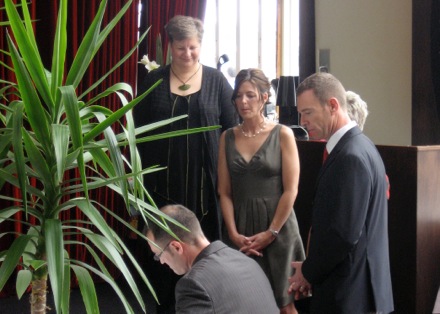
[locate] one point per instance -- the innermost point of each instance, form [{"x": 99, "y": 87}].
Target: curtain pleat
[{"x": 116, "y": 46}]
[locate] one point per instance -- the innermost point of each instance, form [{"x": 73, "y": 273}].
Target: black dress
[
  {"x": 185, "y": 180},
  {"x": 191, "y": 178}
]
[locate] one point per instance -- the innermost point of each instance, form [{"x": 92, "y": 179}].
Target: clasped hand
[
  {"x": 298, "y": 284},
  {"x": 255, "y": 244}
]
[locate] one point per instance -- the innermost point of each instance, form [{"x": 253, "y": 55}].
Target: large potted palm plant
[{"x": 46, "y": 130}]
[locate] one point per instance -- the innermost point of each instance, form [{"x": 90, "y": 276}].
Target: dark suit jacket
[
  {"x": 224, "y": 280},
  {"x": 348, "y": 262}
]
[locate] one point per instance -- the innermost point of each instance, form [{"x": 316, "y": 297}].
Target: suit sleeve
[
  {"x": 192, "y": 298},
  {"x": 340, "y": 210}
]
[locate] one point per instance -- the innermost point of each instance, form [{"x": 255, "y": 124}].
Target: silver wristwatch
[{"x": 274, "y": 232}]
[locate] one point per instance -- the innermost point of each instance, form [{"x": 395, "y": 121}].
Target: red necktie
[{"x": 325, "y": 155}]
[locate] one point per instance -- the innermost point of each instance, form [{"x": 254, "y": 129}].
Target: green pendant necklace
[{"x": 185, "y": 86}]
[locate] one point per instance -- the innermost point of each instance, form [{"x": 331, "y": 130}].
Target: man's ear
[
  {"x": 333, "y": 104},
  {"x": 177, "y": 247}
]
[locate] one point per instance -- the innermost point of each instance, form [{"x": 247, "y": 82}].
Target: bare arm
[
  {"x": 290, "y": 166},
  {"x": 225, "y": 192}
]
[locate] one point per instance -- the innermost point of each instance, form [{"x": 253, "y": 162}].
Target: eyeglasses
[{"x": 157, "y": 256}]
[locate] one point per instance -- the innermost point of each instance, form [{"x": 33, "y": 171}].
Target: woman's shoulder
[
  {"x": 283, "y": 128},
  {"x": 209, "y": 69},
  {"x": 286, "y": 133},
  {"x": 274, "y": 127},
  {"x": 233, "y": 129},
  {"x": 230, "y": 132},
  {"x": 159, "y": 72},
  {"x": 153, "y": 76},
  {"x": 212, "y": 72}
]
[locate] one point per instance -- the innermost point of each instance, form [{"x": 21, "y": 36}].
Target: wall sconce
[{"x": 286, "y": 100}]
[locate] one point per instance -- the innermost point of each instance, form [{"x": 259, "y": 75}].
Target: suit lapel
[{"x": 336, "y": 150}]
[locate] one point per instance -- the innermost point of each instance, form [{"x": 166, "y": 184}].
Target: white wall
[{"x": 370, "y": 53}]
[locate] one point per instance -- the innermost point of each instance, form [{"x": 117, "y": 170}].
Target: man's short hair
[
  {"x": 182, "y": 215},
  {"x": 324, "y": 87}
]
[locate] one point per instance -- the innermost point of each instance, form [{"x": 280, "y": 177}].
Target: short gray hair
[
  {"x": 182, "y": 27},
  {"x": 357, "y": 108}
]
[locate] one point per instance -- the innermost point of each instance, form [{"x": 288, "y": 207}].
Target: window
[{"x": 246, "y": 32}]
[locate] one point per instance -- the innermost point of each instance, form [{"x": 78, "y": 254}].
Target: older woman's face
[{"x": 185, "y": 52}]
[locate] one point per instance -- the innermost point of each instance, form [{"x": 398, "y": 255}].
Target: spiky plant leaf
[
  {"x": 55, "y": 258},
  {"x": 56, "y": 147},
  {"x": 61, "y": 145},
  {"x": 25, "y": 38},
  {"x": 24, "y": 278},
  {"x": 12, "y": 258},
  {"x": 86, "y": 49},
  {"x": 87, "y": 288}
]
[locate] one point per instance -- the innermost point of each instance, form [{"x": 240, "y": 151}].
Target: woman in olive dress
[{"x": 258, "y": 183}]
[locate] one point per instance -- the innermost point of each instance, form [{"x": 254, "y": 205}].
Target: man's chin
[
  {"x": 313, "y": 137},
  {"x": 177, "y": 272},
  {"x": 316, "y": 137}
]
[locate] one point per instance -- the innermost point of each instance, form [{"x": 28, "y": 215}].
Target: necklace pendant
[{"x": 184, "y": 87}]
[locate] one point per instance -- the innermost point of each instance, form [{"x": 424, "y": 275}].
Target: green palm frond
[{"x": 48, "y": 131}]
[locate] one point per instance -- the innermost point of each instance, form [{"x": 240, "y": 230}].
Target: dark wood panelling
[
  {"x": 425, "y": 73},
  {"x": 428, "y": 230}
]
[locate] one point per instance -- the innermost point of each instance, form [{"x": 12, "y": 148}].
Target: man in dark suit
[
  {"x": 217, "y": 278},
  {"x": 347, "y": 266}
]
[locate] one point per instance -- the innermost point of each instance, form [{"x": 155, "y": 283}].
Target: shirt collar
[{"x": 334, "y": 139}]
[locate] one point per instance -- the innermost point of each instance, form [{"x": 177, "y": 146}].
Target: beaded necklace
[{"x": 250, "y": 135}]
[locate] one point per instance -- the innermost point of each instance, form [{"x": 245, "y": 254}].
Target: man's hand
[{"x": 298, "y": 284}]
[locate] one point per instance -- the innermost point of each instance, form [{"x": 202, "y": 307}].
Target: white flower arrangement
[
  {"x": 149, "y": 65},
  {"x": 153, "y": 65}
]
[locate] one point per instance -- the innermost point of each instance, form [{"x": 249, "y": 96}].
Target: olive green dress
[{"x": 256, "y": 189}]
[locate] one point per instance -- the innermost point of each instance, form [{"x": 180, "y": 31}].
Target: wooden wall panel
[{"x": 426, "y": 73}]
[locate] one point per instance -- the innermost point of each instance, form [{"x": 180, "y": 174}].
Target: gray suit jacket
[
  {"x": 348, "y": 262},
  {"x": 224, "y": 280}
]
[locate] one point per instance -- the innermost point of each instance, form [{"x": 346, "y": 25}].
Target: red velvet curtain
[
  {"x": 156, "y": 13},
  {"x": 120, "y": 41}
]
